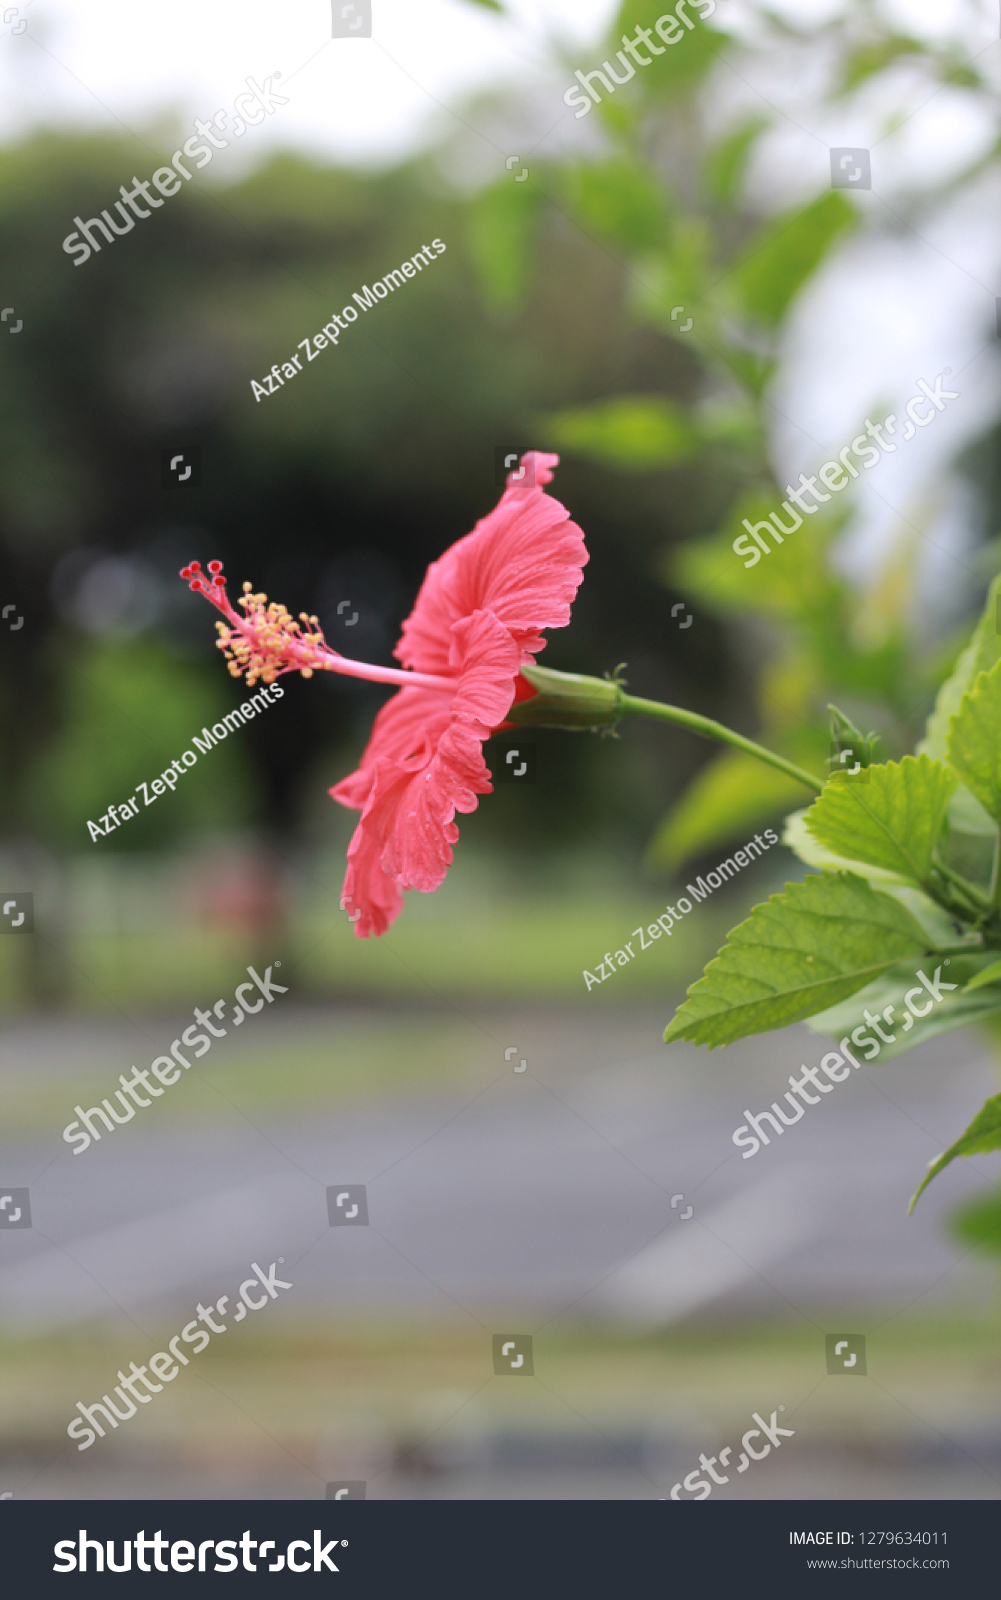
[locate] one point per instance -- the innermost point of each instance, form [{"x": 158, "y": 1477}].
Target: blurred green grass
[
  {"x": 507, "y": 954},
  {"x": 474, "y": 944},
  {"x": 382, "y": 1377},
  {"x": 517, "y": 946}
]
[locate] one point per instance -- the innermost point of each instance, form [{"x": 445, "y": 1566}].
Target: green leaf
[
  {"x": 619, "y": 201},
  {"x": 727, "y": 161},
  {"x": 957, "y": 1009},
  {"x": 889, "y": 815},
  {"x": 980, "y": 655},
  {"x": 974, "y": 740},
  {"x": 803, "y": 950},
  {"x": 684, "y": 64},
  {"x": 501, "y": 225},
  {"x": 980, "y": 1224},
  {"x": 871, "y": 58},
  {"x": 798, "y": 838},
  {"x": 795, "y": 583},
  {"x": 991, "y": 974},
  {"x": 787, "y": 252},
  {"x": 677, "y": 273},
  {"x": 963, "y": 77},
  {"x": 983, "y": 1134},
  {"x": 634, "y": 434}
]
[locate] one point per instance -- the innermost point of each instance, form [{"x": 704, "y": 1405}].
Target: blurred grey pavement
[{"x": 532, "y": 1196}]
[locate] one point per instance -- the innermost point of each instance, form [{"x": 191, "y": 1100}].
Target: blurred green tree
[{"x": 130, "y": 709}]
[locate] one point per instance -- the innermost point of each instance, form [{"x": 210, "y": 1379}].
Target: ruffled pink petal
[
  {"x": 371, "y": 896},
  {"x": 405, "y": 837},
  {"x": 535, "y": 464},
  {"x": 523, "y": 562},
  {"x": 406, "y": 729}
]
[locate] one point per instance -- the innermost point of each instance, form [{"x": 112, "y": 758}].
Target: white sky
[
  {"x": 81, "y": 64},
  {"x": 897, "y": 307}
]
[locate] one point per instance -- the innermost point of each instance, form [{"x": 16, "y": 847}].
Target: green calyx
[
  {"x": 568, "y": 700},
  {"x": 571, "y": 700}
]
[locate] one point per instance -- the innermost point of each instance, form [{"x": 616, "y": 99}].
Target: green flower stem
[
  {"x": 572, "y": 700},
  {"x": 630, "y": 705}
]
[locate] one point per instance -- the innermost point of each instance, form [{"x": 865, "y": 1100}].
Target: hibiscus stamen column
[{"x": 267, "y": 642}]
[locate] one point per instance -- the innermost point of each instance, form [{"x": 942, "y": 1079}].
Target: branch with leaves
[{"x": 909, "y": 858}]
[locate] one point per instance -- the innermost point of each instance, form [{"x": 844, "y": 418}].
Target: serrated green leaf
[
  {"x": 991, "y": 974},
  {"x": 798, "y": 953},
  {"x": 957, "y": 1009},
  {"x": 889, "y": 815},
  {"x": 983, "y": 1134},
  {"x": 980, "y": 655},
  {"x": 798, "y": 838},
  {"x": 974, "y": 740}
]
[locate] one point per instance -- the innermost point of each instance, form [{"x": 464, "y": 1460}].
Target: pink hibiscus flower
[{"x": 477, "y": 620}]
